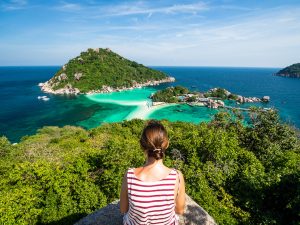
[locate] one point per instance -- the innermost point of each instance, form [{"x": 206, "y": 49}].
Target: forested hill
[
  {"x": 101, "y": 70},
  {"x": 238, "y": 174},
  {"x": 290, "y": 71}
]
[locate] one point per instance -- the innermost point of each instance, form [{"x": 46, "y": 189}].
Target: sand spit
[{"x": 143, "y": 108}]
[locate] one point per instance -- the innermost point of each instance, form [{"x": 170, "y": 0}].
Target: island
[
  {"x": 101, "y": 71},
  {"x": 290, "y": 71},
  {"x": 213, "y": 98}
]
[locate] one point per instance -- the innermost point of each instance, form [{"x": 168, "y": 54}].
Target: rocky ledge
[
  {"x": 110, "y": 215},
  {"x": 68, "y": 89},
  {"x": 290, "y": 75}
]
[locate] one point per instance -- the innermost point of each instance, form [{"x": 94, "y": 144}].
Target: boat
[{"x": 44, "y": 98}]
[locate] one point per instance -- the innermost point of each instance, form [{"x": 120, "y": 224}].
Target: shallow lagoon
[{"x": 22, "y": 113}]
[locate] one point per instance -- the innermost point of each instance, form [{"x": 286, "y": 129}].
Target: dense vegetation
[
  {"x": 240, "y": 175},
  {"x": 170, "y": 94},
  {"x": 220, "y": 93},
  {"x": 95, "y": 68},
  {"x": 290, "y": 71}
]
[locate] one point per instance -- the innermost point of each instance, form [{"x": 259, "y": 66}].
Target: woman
[{"x": 154, "y": 193}]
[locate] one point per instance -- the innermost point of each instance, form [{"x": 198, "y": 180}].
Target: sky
[{"x": 244, "y": 33}]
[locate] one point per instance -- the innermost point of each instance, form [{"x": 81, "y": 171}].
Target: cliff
[
  {"x": 290, "y": 71},
  {"x": 110, "y": 215},
  {"x": 101, "y": 70}
]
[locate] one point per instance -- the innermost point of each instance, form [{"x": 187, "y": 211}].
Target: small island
[
  {"x": 292, "y": 71},
  {"x": 102, "y": 71},
  {"x": 213, "y": 98}
]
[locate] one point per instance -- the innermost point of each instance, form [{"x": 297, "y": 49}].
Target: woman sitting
[{"x": 153, "y": 193}]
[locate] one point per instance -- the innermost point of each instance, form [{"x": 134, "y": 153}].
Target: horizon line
[{"x": 155, "y": 66}]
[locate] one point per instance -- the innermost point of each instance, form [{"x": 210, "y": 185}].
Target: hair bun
[{"x": 154, "y": 139}]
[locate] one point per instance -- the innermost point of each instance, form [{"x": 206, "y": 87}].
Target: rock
[
  {"x": 195, "y": 214},
  {"x": 81, "y": 61},
  {"x": 107, "y": 89},
  {"x": 227, "y": 93},
  {"x": 49, "y": 85},
  {"x": 78, "y": 76},
  {"x": 110, "y": 215},
  {"x": 266, "y": 99},
  {"x": 63, "y": 76}
]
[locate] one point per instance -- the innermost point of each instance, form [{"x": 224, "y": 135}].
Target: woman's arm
[
  {"x": 124, "y": 195},
  {"x": 180, "y": 200}
]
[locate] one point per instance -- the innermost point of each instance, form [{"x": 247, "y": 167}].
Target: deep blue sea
[{"x": 22, "y": 113}]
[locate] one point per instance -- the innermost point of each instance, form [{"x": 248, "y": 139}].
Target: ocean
[{"x": 22, "y": 113}]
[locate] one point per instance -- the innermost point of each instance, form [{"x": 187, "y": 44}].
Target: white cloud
[
  {"x": 14, "y": 5},
  {"x": 131, "y": 9},
  {"x": 268, "y": 37},
  {"x": 65, "y": 6}
]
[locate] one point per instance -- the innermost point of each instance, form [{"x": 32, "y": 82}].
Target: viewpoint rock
[{"x": 110, "y": 215}]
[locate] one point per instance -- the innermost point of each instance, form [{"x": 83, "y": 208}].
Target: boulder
[
  {"x": 110, "y": 215},
  {"x": 266, "y": 99},
  {"x": 227, "y": 93},
  {"x": 63, "y": 76},
  {"x": 78, "y": 76}
]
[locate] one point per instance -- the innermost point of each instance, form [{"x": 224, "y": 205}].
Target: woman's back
[
  {"x": 151, "y": 202},
  {"x": 152, "y": 194}
]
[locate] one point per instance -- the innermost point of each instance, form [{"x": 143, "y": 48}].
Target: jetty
[{"x": 245, "y": 109}]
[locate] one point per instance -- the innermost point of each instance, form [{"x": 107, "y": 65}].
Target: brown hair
[{"x": 154, "y": 140}]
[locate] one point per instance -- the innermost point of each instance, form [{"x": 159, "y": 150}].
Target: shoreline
[
  {"x": 144, "y": 107},
  {"x": 69, "y": 90}
]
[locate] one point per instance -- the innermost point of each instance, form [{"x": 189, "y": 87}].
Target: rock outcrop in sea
[{"x": 110, "y": 215}]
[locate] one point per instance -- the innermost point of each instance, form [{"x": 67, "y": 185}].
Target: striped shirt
[{"x": 151, "y": 203}]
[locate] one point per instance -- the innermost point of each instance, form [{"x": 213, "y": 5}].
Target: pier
[{"x": 246, "y": 109}]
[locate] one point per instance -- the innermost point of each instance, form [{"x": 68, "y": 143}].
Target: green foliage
[
  {"x": 170, "y": 94},
  {"x": 103, "y": 67},
  {"x": 240, "y": 175},
  {"x": 290, "y": 71},
  {"x": 217, "y": 93},
  {"x": 4, "y": 146},
  {"x": 192, "y": 99},
  {"x": 233, "y": 97}
]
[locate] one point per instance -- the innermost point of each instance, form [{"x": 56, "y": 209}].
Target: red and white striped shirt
[{"x": 151, "y": 203}]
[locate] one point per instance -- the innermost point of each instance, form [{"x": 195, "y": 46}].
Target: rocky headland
[
  {"x": 102, "y": 71},
  {"x": 69, "y": 89},
  {"x": 292, "y": 71}
]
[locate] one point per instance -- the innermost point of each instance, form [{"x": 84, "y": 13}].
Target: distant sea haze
[{"x": 22, "y": 113}]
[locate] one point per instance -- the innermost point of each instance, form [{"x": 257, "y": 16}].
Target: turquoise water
[
  {"x": 138, "y": 99},
  {"x": 185, "y": 113},
  {"x": 22, "y": 113}
]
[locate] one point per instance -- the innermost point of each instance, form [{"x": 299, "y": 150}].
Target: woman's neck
[{"x": 153, "y": 162}]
